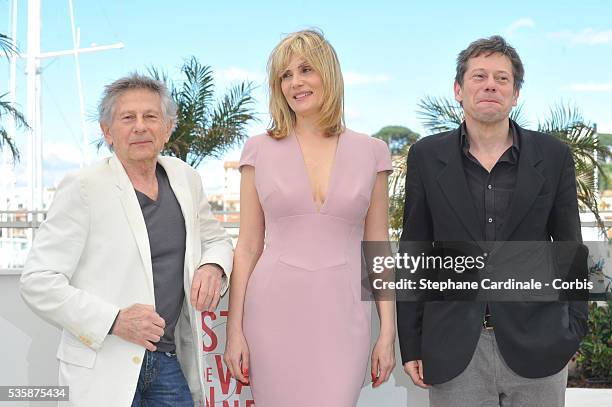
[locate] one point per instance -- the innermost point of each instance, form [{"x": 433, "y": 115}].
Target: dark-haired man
[{"x": 490, "y": 180}]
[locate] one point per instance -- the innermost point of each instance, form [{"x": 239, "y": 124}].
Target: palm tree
[
  {"x": 442, "y": 114},
  {"x": 6, "y": 45},
  {"x": 7, "y": 48},
  {"x": 564, "y": 122},
  {"x": 567, "y": 124},
  {"x": 202, "y": 129}
]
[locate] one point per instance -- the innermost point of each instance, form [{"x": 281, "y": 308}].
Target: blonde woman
[{"x": 311, "y": 191}]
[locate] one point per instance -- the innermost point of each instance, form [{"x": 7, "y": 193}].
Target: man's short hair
[
  {"x": 487, "y": 46},
  {"x": 131, "y": 82}
]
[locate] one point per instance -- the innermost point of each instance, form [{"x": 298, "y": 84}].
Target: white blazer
[{"x": 91, "y": 257}]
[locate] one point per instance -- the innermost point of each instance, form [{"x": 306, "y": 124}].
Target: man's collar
[{"x": 465, "y": 140}]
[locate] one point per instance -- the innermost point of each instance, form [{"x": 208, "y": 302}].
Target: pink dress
[{"x": 307, "y": 329}]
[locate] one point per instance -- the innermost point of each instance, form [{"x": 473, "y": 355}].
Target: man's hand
[
  {"x": 140, "y": 324},
  {"x": 414, "y": 369},
  {"x": 206, "y": 287}
]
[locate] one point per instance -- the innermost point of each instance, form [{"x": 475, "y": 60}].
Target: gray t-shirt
[{"x": 166, "y": 230}]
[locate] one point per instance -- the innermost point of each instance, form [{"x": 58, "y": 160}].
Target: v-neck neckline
[
  {"x": 312, "y": 198},
  {"x": 147, "y": 200},
  {"x": 158, "y": 175}
]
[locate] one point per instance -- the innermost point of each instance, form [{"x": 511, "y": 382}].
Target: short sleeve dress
[{"x": 307, "y": 329}]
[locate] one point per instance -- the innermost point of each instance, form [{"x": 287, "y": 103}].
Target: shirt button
[
  {"x": 490, "y": 220},
  {"x": 489, "y": 186},
  {"x": 485, "y": 254},
  {"x": 136, "y": 360}
]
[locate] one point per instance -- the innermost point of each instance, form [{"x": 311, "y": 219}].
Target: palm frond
[
  {"x": 517, "y": 115},
  {"x": 7, "y": 141},
  {"x": 196, "y": 93},
  {"x": 439, "y": 114},
  {"x": 7, "y": 108},
  {"x": 6, "y": 45},
  {"x": 192, "y": 98},
  {"x": 227, "y": 123},
  {"x": 560, "y": 117},
  {"x": 566, "y": 123},
  {"x": 158, "y": 75},
  {"x": 99, "y": 143},
  {"x": 203, "y": 129},
  {"x": 585, "y": 187}
]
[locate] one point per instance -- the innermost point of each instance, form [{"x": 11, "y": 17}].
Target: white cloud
[
  {"x": 591, "y": 87},
  {"x": 64, "y": 151},
  {"x": 520, "y": 23},
  {"x": 354, "y": 78},
  {"x": 232, "y": 74},
  {"x": 58, "y": 159},
  {"x": 352, "y": 113},
  {"x": 604, "y": 127},
  {"x": 54, "y": 169},
  {"x": 587, "y": 36}
]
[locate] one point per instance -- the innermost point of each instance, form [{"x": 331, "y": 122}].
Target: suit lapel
[
  {"x": 133, "y": 214},
  {"x": 179, "y": 186},
  {"x": 188, "y": 330},
  {"x": 454, "y": 185},
  {"x": 529, "y": 182}
]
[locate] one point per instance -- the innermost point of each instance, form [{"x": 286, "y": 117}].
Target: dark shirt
[
  {"x": 166, "y": 230},
  {"x": 492, "y": 191}
]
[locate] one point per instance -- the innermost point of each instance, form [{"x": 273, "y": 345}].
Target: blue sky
[{"x": 392, "y": 54}]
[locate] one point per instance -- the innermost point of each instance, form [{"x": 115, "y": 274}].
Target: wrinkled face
[
  {"x": 302, "y": 87},
  {"x": 137, "y": 131},
  {"x": 487, "y": 94}
]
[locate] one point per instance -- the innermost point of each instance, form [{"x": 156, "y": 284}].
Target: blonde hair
[{"x": 314, "y": 48}]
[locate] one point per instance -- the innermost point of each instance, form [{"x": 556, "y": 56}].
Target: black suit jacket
[{"x": 536, "y": 339}]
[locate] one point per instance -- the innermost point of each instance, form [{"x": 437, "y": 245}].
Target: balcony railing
[{"x": 18, "y": 230}]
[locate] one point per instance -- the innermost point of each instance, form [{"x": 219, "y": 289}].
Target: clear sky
[{"x": 393, "y": 53}]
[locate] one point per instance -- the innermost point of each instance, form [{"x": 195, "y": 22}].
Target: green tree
[
  {"x": 564, "y": 122},
  {"x": 206, "y": 127},
  {"x": 605, "y": 140},
  {"x": 604, "y": 182},
  {"x": 397, "y": 195},
  {"x": 596, "y": 348},
  {"x": 398, "y": 138},
  {"x": 6, "y": 109}
]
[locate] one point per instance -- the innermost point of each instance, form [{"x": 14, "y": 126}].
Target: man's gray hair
[
  {"x": 488, "y": 46},
  {"x": 130, "y": 82}
]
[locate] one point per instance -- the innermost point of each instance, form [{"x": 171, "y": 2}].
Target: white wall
[
  {"x": 27, "y": 343},
  {"x": 28, "y": 346}
]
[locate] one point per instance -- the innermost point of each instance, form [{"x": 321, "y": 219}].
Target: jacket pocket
[{"x": 74, "y": 352}]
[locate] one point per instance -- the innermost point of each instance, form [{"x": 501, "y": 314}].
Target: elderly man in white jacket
[{"x": 128, "y": 257}]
